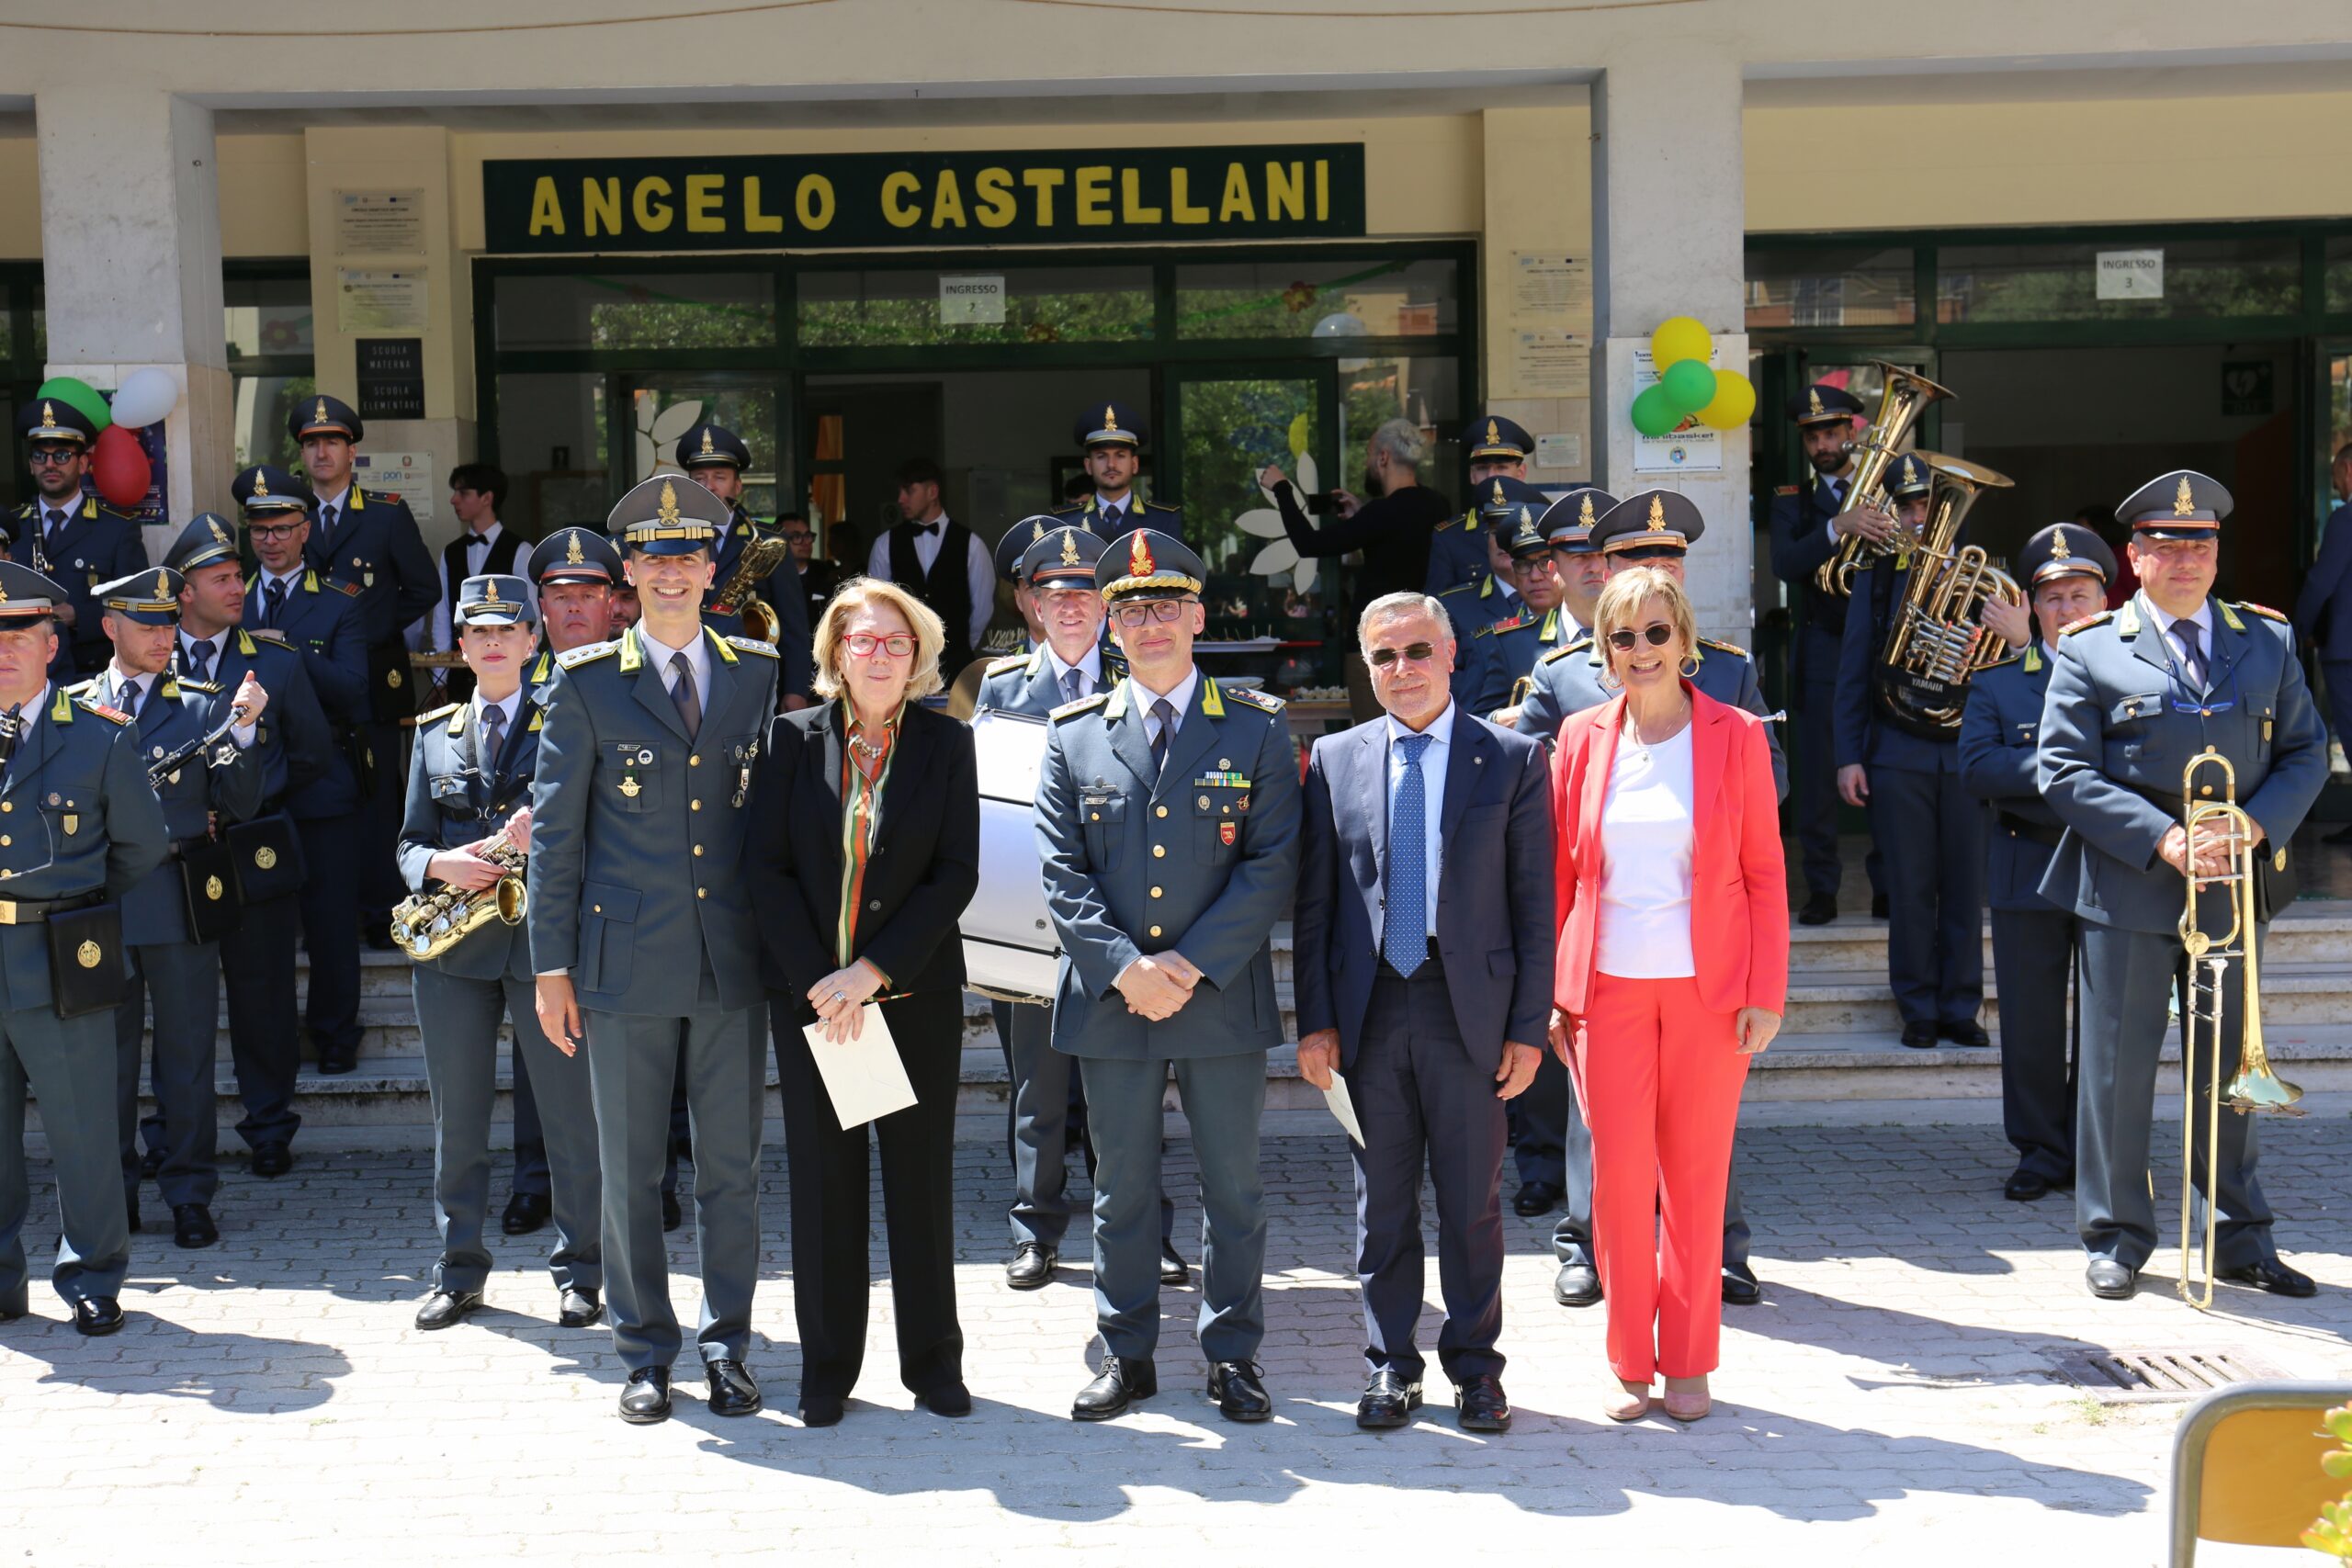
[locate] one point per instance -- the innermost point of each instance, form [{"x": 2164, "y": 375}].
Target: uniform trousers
[
  {"x": 1814, "y": 771},
  {"x": 458, "y": 1018},
  {"x": 1045, "y": 1114},
  {"x": 1421, "y": 1100},
  {"x": 184, "y": 977},
  {"x": 531, "y": 1175},
  {"x": 1931, "y": 835},
  {"x": 334, "y": 851},
  {"x": 632, "y": 1061},
  {"x": 375, "y": 836},
  {"x": 264, "y": 1032},
  {"x": 1223, "y": 1097},
  {"x": 2032, "y": 950},
  {"x": 73, "y": 1072},
  {"x": 1659, "y": 1075},
  {"x": 2126, "y": 976},
  {"x": 832, "y": 1202}
]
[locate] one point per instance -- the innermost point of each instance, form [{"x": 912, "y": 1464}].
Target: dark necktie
[
  {"x": 9, "y": 740},
  {"x": 1111, "y": 515},
  {"x": 326, "y": 524},
  {"x": 56, "y": 526},
  {"x": 1166, "y": 717},
  {"x": 1405, "y": 923},
  {"x": 127, "y": 698},
  {"x": 494, "y": 735},
  {"x": 1074, "y": 684},
  {"x": 681, "y": 691},
  {"x": 199, "y": 660},
  {"x": 2192, "y": 653},
  {"x": 276, "y": 596}
]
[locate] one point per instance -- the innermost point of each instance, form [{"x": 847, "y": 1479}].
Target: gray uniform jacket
[
  {"x": 1199, "y": 855},
  {"x": 453, "y": 799},
  {"x": 2000, "y": 736},
  {"x": 1024, "y": 683}
]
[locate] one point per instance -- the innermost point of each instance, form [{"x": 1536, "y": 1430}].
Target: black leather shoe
[
  {"x": 1239, "y": 1394},
  {"x": 672, "y": 1216},
  {"x": 446, "y": 1309},
  {"x": 1878, "y": 906},
  {"x": 192, "y": 1226},
  {"x": 1919, "y": 1035},
  {"x": 1119, "y": 1384},
  {"x": 1971, "y": 1035},
  {"x": 150, "y": 1163},
  {"x": 337, "y": 1060},
  {"x": 525, "y": 1211},
  {"x": 1032, "y": 1267},
  {"x": 97, "y": 1316},
  {"x": 1389, "y": 1402},
  {"x": 1481, "y": 1405},
  {"x": 1819, "y": 909},
  {"x": 950, "y": 1399},
  {"x": 273, "y": 1159},
  {"x": 1576, "y": 1285},
  {"x": 1740, "y": 1289},
  {"x": 2026, "y": 1185},
  {"x": 580, "y": 1310},
  {"x": 823, "y": 1409},
  {"x": 2272, "y": 1276},
  {"x": 732, "y": 1391},
  {"x": 1535, "y": 1198},
  {"x": 645, "y": 1398},
  {"x": 2111, "y": 1280},
  {"x": 1173, "y": 1270}
]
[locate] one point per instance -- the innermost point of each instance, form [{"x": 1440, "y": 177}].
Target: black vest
[{"x": 946, "y": 587}]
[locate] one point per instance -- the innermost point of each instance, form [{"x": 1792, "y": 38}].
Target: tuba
[
  {"x": 2254, "y": 1087},
  {"x": 427, "y": 925},
  {"x": 737, "y": 596},
  {"x": 1906, "y": 397},
  {"x": 1939, "y": 641}
]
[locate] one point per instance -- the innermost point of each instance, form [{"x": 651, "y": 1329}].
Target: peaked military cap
[
  {"x": 207, "y": 538},
  {"x": 1065, "y": 558},
  {"x": 707, "y": 445},
  {"x": 669, "y": 514},
  {"x": 1109, "y": 424},
  {"x": 1017, "y": 540},
  {"x": 323, "y": 416},
  {"x": 1523, "y": 531},
  {"x": 1570, "y": 520},
  {"x": 1910, "y": 475},
  {"x": 2065, "y": 549},
  {"x": 1820, "y": 402},
  {"x": 2183, "y": 505},
  {"x": 1149, "y": 564},
  {"x": 494, "y": 599},
  {"x": 150, "y": 597},
  {"x": 263, "y": 489},
  {"x": 1649, "y": 520},
  {"x": 25, "y": 594},
  {"x": 574, "y": 555},
  {"x": 1491, "y": 435},
  {"x": 1500, "y": 498},
  {"x": 54, "y": 418}
]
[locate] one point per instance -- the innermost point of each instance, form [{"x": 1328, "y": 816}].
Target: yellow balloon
[
  {"x": 1734, "y": 400},
  {"x": 1679, "y": 338}
]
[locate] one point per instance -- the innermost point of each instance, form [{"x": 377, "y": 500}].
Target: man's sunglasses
[
  {"x": 1416, "y": 652},
  {"x": 1657, "y": 635}
]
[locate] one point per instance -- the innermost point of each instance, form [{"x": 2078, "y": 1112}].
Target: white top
[
  {"x": 1646, "y": 835},
  {"x": 1434, "y": 760},
  {"x": 979, "y": 569}
]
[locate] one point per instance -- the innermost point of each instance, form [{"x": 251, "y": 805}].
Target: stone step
[{"x": 2306, "y": 931}]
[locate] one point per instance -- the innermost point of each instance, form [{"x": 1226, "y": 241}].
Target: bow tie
[{"x": 925, "y": 529}]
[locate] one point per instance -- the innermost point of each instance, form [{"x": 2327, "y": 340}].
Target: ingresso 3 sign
[{"x": 869, "y": 200}]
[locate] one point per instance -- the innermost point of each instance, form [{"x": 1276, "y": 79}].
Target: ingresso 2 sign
[{"x": 869, "y": 200}]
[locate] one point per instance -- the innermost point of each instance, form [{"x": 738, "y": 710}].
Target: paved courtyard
[{"x": 1895, "y": 1399}]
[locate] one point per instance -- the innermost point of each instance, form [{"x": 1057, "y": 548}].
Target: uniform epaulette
[
  {"x": 1008, "y": 662},
  {"x": 2264, "y": 611},
  {"x": 1724, "y": 647},
  {"x": 1083, "y": 705},
  {"x": 91, "y": 705},
  {"x": 1784, "y": 489},
  {"x": 574, "y": 656},
  {"x": 753, "y": 644},
  {"x": 443, "y": 712},
  {"x": 1265, "y": 702},
  {"x": 1581, "y": 645},
  {"x": 2100, "y": 619}
]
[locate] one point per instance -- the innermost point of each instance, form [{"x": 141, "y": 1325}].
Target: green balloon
[
  {"x": 1652, "y": 413},
  {"x": 79, "y": 394},
  {"x": 1688, "y": 386}
]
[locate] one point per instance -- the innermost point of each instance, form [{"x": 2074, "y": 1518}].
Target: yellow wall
[
  {"x": 19, "y": 199},
  {"x": 265, "y": 204}
]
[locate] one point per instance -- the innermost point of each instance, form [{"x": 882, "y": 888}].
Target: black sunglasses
[
  {"x": 1657, "y": 635},
  {"x": 1418, "y": 652}
]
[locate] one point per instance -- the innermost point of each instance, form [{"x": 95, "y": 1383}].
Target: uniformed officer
[
  {"x": 465, "y": 835},
  {"x": 1568, "y": 523},
  {"x": 1168, "y": 820},
  {"x": 2134, "y": 695},
  {"x": 71, "y": 536},
  {"x": 1492, "y": 597},
  {"x": 1111, "y": 436},
  {"x": 1808, "y": 521},
  {"x": 641, "y": 930},
  {"x": 83, "y": 826},
  {"x": 1495, "y": 447},
  {"x": 2066, "y": 570},
  {"x": 1931, "y": 836},
  {"x": 1007, "y": 555},
  {"x": 172, "y": 918},
  {"x": 1540, "y": 622},
  {"x": 715, "y": 457},
  {"x": 302, "y": 769},
  {"x": 366, "y": 548}
]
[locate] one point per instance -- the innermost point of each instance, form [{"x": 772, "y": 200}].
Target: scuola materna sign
[{"x": 869, "y": 200}]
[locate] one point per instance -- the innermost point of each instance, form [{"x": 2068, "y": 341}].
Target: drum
[{"x": 1011, "y": 949}]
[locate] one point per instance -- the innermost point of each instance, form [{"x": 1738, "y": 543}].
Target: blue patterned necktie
[{"x": 1405, "y": 923}]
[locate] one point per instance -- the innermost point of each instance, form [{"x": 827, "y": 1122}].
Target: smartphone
[{"x": 1322, "y": 505}]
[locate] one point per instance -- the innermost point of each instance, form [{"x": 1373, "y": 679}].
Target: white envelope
[
  {"x": 1344, "y": 1107},
  {"x": 863, "y": 1077}
]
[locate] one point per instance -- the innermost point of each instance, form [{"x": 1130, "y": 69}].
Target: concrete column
[
  {"x": 130, "y": 264},
  {"x": 1668, "y": 220}
]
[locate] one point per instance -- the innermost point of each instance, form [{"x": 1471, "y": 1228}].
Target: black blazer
[{"x": 925, "y": 867}]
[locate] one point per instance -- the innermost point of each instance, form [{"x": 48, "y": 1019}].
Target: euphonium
[
  {"x": 1940, "y": 640},
  {"x": 737, "y": 596},
  {"x": 1906, "y": 397},
  {"x": 427, "y": 925},
  {"x": 2254, "y": 1087}
]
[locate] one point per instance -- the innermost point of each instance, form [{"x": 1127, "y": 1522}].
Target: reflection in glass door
[{"x": 649, "y": 412}]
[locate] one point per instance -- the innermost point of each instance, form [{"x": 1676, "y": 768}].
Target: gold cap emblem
[
  {"x": 218, "y": 537},
  {"x": 2058, "y": 550},
  {"x": 47, "y": 417},
  {"x": 1494, "y": 433},
  {"x": 1657, "y": 515},
  {"x": 1498, "y": 493},
  {"x": 320, "y": 417},
  {"x": 1109, "y": 417},
  {"x": 708, "y": 449},
  {"x": 261, "y": 483},
  {"x": 571, "y": 556},
  {"x": 1069, "y": 548},
  {"x": 667, "y": 513},
  {"x": 162, "y": 586},
  {"x": 1813, "y": 399},
  {"x": 1036, "y": 530},
  {"x": 2183, "y": 504},
  {"x": 490, "y": 592},
  {"x": 1139, "y": 561},
  {"x": 1584, "y": 511}
]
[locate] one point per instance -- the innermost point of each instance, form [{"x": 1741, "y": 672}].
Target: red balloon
[{"x": 119, "y": 466}]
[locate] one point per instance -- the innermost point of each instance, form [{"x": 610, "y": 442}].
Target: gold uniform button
[
  {"x": 1155, "y": 891},
  {"x": 693, "y": 761},
  {"x": 1160, "y": 852},
  {"x": 1162, "y": 811},
  {"x": 7, "y": 805},
  {"x": 1094, "y": 816},
  {"x": 1155, "y": 931},
  {"x": 600, "y": 909},
  {"x": 2207, "y": 790},
  {"x": 697, "y": 848},
  {"x": 5, "y": 841},
  {"x": 702, "y": 892},
  {"x": 694, "y": 806}
]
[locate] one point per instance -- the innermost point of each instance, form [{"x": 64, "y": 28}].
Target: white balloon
[{"x": 144, "y": 397}]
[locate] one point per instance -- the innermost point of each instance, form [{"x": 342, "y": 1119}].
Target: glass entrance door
[{"x": 647, "y": 413}]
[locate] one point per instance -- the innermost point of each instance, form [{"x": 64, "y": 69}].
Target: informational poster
[
  {"x": 380, "y": 223},
  {"x": 372, "y": 300},
  {"x": 1689, "y": 448},
  {"x": 971, "y": 299},
  {"x": 1548, "y": 286},
  {"x": 407, "y": 474},
  {"x": 1560, "y": 451},
  {"x": 2130, "y": 275},
  {"x": 1550, "y": 362}
]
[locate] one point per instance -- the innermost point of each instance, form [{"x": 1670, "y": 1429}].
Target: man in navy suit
[
  {"x": 2323, "y": 610},
  {"x": 1423, "y": 964}
]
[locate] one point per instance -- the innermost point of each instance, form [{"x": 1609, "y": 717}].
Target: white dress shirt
[
  {"x": 979, "y": 569},
  {"x": 477, "y": 558},
  {"x": 1433, "y": 765},
  {"x": 1179, "y": 699},
  {"x": 698, "y": 652},
  {"x": 1090, "y": 667}
]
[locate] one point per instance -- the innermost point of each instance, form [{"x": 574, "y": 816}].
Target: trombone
[{"x": 2255, "y": 1088}]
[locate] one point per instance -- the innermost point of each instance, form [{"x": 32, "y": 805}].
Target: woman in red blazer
[{"x": 1673, "y": 971}]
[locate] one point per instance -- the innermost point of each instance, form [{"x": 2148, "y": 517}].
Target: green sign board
[{"x": 876, "y": 201}]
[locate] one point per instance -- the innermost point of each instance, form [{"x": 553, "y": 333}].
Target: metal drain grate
[{"x": 2137, "y": 1377}]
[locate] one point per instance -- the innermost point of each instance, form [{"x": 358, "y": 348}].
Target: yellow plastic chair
[{"x": 2245, "y": 1466}]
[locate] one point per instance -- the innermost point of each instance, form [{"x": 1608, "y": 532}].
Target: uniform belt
[
  {"x": 2040, "y": 832},
  {"x": 33, "y": 911}
]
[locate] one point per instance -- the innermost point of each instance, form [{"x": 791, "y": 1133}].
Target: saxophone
[
  {"x": 736, "y": 595},
  {"x": 427, "y": 925}
]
